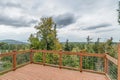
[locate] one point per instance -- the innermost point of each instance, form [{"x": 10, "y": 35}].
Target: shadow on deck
[{"x": 40, "y": 72}]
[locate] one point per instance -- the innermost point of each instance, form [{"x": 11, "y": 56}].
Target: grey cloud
[
  {"x": 86, "y": 6},
  {"x": 101, "y": 31},
  {"x": 64, "y": 20},
  {"x": 13, "y": 5},
  {"x": 4, "y": 20},
  {"x": 10, "y": 4},
  {"x": 97, "y": 26}
]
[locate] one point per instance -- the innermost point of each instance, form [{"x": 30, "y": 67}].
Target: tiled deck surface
[{"x": 40, "y": 72}]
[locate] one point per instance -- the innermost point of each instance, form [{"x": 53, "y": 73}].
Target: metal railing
[{"x": 111, "y": 67}]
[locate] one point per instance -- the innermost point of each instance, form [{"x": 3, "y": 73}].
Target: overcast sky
[{"x": 76, "y": 19}]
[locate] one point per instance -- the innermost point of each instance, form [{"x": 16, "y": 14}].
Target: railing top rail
[
  {"x": 55, "y": 52},
  {"x": 71, "y": 53},
  {"x": 13, "y": 52},
  {"x": 115, "y": 61},
  {"x": 25, "y": 51},
  {"x": 6, "y": 54}
]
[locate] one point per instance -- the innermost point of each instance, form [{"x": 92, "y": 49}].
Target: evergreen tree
[
  {"x": 67, "y": 46},
  {"x": 34, "y": 42},
  {"x": 47, "y": 34},
  {"x": 88, "y": 40}
]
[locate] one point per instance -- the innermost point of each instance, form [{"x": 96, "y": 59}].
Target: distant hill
[{"x": 10, "y": 41}]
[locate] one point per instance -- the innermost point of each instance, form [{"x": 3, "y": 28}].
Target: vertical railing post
[
  {"x": 119, "y": 61},
  {"x": 31, "y": 56},
  {"x": 14, "y": 60},
  {"x": 105, "y": 64},
  {"x": 44, "y": 58},
  {"x": 60, "y": 59},
  {"x": 80, "y": 62}
]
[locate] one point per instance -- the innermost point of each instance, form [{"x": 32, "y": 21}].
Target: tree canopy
[{"x": 46, "y": 35}]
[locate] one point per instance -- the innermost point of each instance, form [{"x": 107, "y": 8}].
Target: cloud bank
[{"x": 75, "y": 19}]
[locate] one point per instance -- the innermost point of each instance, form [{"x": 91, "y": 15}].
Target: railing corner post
[
  {"x": 31, "y": 56},
  {"x": 105, "y": 63},
  {"x": 14, "y": 60},
  {"x": 80, "y": 63},
  {"x": 118, "y": 61},
  {"x": 44, "y": 58},
  {"x": 60, "y": 59}
]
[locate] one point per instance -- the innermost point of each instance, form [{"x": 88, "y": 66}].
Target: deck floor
[{"x": 40, "y": 72}]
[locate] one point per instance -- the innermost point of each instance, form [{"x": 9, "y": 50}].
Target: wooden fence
[{"x": 104, "y": 56}]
